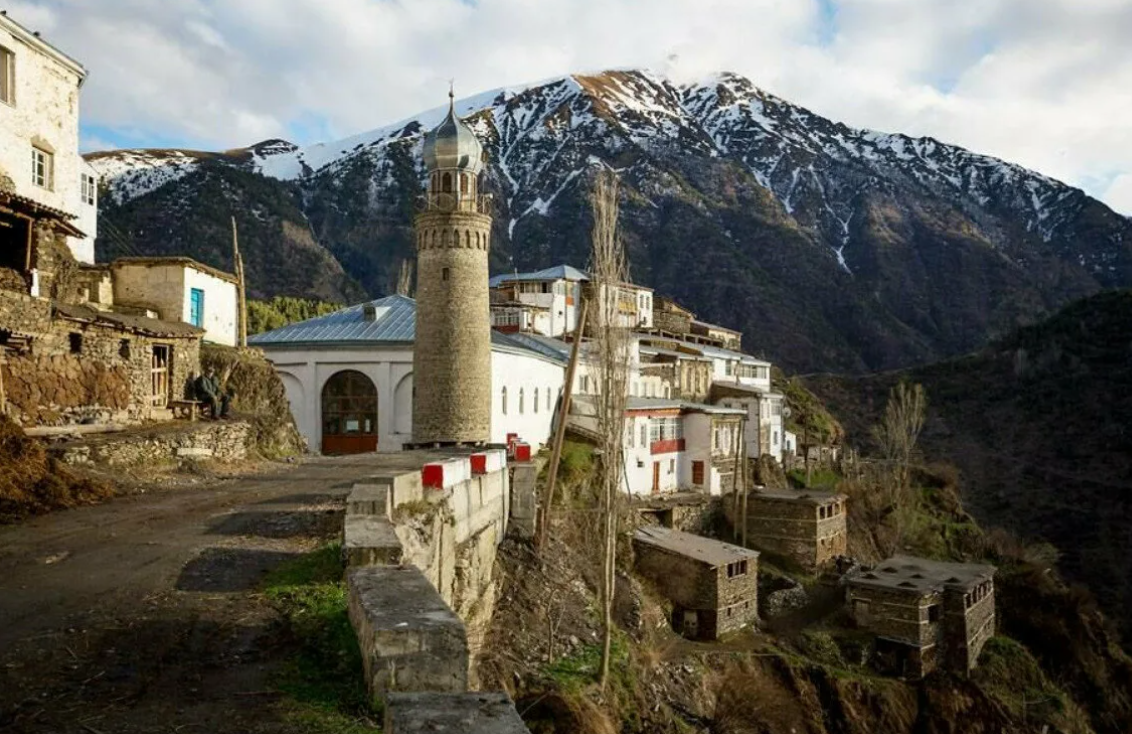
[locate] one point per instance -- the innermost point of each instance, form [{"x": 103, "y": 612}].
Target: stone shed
[
  {"x": 713, "y": 586},
  {"x": 68, "y": 364},
  {"x": 926, "y": 614},
  {"x": 807, "y": 527}
]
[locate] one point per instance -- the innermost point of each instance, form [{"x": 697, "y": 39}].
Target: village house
[
  {"x": 545, "y": 302},
  {"x": 171, "y": 289},
  {"x": 713, "y": 586},
  {"x": 925, "y": 614},
  {"x": 47, "y": 191},
  {"x": 807, "y": 527},
  {"x": 68, "y": 353}
]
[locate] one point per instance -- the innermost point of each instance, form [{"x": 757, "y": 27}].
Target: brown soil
[{"x": 142, "y": 614}]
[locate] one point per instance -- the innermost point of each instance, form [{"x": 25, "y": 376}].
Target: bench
[{"x": 186, "y": 408}]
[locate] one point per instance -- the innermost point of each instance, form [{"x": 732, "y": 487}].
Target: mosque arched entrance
[{"x": 349, "y": 414}]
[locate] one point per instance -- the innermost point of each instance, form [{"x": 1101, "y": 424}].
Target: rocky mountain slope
[
  {"x": 1040, "y": 425},
  {"x": 831, "y": 247}
]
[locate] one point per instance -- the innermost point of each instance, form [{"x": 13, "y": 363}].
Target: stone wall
[
  {"x": 218, "y": 440},
  {"x": 794, "y": 528},
  {"x": 723, "y": 603},
  {"x": 83, "y": 372}
]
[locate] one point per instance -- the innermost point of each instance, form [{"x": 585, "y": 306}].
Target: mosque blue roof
[{"x": 393, "y": 322}]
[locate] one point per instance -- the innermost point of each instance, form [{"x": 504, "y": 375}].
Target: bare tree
[
  {"x": 897, "y": 434},
  {"x": 405, "y": 278},
  {"x": 611, "y": 363},
  {"x": 900, "y": 428}
]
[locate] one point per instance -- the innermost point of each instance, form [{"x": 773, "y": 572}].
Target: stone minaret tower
[{"x": 452, "y": 355}]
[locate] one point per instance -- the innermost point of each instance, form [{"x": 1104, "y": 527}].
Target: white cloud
[{"x": 1040, "y": 83}]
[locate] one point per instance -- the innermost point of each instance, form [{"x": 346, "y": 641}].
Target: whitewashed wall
[
  {"x": 305, "y": 372},
  {"x": 45, "y": 113},
  {"x": 220, "y": 305}
]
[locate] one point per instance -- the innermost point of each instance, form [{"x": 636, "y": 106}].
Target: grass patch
[
  {"x": 574, "y": 672},
  {"x": 325, "y": 680},
  {"x": 820, "y": 478},
  {"x": 1010, "y": 674}
]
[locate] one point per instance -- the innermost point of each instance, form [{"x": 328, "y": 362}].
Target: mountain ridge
[{"x": 905, "y": 249}]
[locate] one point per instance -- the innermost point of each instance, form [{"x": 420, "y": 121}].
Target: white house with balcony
[{"x": 41, "y": 171}]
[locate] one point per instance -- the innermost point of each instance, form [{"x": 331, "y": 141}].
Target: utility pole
[
  {"x": 560, "y": 429},
  {"x": 241, "y": 296}
]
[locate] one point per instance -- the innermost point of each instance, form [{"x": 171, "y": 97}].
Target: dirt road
[{"x": 141, "y": 614}]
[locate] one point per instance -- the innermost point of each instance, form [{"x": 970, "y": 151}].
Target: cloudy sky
[{"x": 1045, "y": 83}]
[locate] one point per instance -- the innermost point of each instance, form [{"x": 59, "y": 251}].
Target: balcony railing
[{"x": 481, "y": 204}]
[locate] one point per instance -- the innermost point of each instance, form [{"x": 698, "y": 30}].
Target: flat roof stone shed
[
  {"x": 713, "y": 586},
  {"x": 452, "y": 713},
  {"x": 925, "y": 614},
  {"x": 807, "y": 526},
  {"x": 409, "y": 638}
]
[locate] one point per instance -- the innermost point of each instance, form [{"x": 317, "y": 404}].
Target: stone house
[
  {"x": 67, "y": 355},
  {"x": 713, "y": 586},
  {"x": 47, "y": 190},
  {"x": 670, "y": 318},
  {"x": 807, "y": 527},
  {"x": 168, "y": 288},
  {"x": 67, "y": 363},
  {"x": 715, "y": 334},
  {"x": 926, "y": 614}
]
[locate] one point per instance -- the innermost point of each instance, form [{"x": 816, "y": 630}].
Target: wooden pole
[
  {"x": 3, "y": 399},
  {"x": 241, "y": 295},
  {"x": 735, "y": 479},
  {"x": 560, "y": 429}
]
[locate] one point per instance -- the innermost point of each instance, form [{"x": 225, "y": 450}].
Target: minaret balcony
[{"x": 481, "y": 204}]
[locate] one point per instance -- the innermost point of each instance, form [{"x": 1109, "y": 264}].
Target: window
[
  {"x": 548, "y": 398},
  {"x": 934, "y": 613},
  {"x": 698, "y": 473},
  {"x": 88, "y": 189},
  {"x": 43, "y": 168},
  {"x": 520, "y": 401},
  {"x": 196, "y": 307},
  {"x": 536, "y": 400},
  {"x": 446, "y": 183},
  {"x": 7, "y": 76},
  {"x": 738, "y": 568},
  {"x": 124, "y": 349},
  {"x": 671, "y": 466},
  {"x": 504, "y": 401},
  {"x": 644, "y": 434},
  {"x": 76, "y": 343},
  {"x": 444, "y": 273}
]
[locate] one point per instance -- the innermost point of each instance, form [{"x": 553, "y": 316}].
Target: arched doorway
[{"x": 349, "y": 414}]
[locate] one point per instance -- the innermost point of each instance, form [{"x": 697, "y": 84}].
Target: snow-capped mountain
[{"x": 833, "y": 247}]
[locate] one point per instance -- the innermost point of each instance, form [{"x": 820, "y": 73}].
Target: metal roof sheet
[
  {"x": 558, "y": 272},
  {"x": 394, "y": 322}
]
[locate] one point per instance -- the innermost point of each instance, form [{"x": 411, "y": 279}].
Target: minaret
[{"x": 452, "y": 353}]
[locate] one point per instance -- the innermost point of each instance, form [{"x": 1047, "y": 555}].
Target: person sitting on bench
[{"x": 208, "y": 391}]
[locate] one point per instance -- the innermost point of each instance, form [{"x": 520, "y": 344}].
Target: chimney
[{"x": 369, "y": 312}]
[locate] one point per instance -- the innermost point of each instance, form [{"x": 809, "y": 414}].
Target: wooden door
[
  {"x": 656, "y": 477},
  {"x": 349, "y": 414},
  {"x": 159, "y": 376}
]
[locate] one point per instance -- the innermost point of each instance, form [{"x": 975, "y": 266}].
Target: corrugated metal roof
[
  {"x": 558, "y": 272},
  {"x": 551, "y": 347},
  {"x": 394, "y": 322}
]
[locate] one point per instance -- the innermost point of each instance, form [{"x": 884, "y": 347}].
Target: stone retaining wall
[
  {"x": 420, "y": 622},
  {"x": 218, "y": 440}
]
